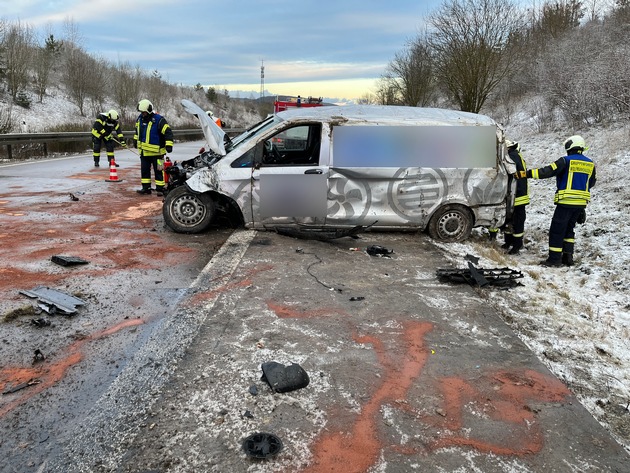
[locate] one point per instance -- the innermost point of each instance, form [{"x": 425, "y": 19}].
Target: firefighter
[
  {"x": 216, "y": 120},
  {"x": 513, "y": 234},
  {"x": 575, "y": 176},
  {"x": 105, "y": 129},
  {"x": 153, "y": 138}
]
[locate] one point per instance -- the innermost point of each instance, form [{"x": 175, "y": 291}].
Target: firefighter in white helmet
[
  {"x": 216, "y": 120},
  {"x": 575, "y": 176},
  {"x": 154, "y": 138},
  {"x": 106, "y": 128}
]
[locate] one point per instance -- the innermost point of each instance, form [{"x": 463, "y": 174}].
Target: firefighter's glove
[
  {"x": 169, "y": 149},
  {"x": 108, "y": 138},
  {"x": 520, "y": 175},
  {"x": 123, "y": 144}
]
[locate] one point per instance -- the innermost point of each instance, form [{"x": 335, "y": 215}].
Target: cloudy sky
[{"x": 329, "y": 48}]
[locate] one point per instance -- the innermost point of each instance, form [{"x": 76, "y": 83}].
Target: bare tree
[
  {"x": 126, "y": 85},
  {"x": 410, "y": 74},
  {"x": 46, "y": 57},
  {"x": 17, "y": 45},
  {"x": 470, "y": 42}
]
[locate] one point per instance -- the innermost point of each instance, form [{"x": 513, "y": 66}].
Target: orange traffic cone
[{"x": 113, "y": 174}]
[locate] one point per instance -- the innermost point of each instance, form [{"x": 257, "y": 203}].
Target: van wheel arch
[{"x": 451, "y": 223}]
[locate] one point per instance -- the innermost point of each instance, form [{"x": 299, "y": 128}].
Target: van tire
[
  {"x": 187, "y": 212},
  {"x": 451, "y": 223}
]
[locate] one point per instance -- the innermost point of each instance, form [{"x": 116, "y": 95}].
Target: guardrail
[{"x": 44, "y": 138}]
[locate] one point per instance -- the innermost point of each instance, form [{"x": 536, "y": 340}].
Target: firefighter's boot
[
  {"x": 509, "y": 241},
  {"x": 146, "y": 190},
  {"x": 517, "y": 244},
  {"x": 113, "y": 160},
  {"x": 159, "y": 191},
  {"x": 553, "y": 260},
  {"x": 96, "y": 163},
  {"x": 567, "y": 259}
]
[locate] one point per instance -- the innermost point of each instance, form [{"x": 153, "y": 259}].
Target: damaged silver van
[{"x": 340, "y": 167}]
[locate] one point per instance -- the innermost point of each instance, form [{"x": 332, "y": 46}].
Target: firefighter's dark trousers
[
  {"x": 146, "y": 163},
  {"x": 562, "y": 231},
  {"x": 109, "y": 147}
]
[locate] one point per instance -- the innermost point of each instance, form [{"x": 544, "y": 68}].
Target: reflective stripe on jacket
[
  {"x": 153, "y": 136},
  {"x": 521, "y": 197}
]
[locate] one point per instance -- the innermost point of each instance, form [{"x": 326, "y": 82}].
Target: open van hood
[{"x": 214, "y": 135}]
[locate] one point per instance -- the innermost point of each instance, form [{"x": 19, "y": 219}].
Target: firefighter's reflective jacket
[
  {"x": 575, "y": 176},
  {"x": 103, "y": 128},
  {"x": 522, "y": 186},
  {"x": 154, "y": 136}
]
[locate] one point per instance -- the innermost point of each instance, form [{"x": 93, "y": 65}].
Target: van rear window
[{"x": 415, "y": 146}]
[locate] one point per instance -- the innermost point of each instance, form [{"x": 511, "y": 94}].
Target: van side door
[{"x": 289, "y": 180}]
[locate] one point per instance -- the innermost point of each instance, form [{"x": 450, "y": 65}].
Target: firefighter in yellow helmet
[
  {"x": 153, "y": 138},
  {"x": 106, "y": 129}
]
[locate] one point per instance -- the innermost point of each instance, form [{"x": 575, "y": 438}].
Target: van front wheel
[
  {"x": 187, "y": 212},
  {"x": 451, "y": 223}
]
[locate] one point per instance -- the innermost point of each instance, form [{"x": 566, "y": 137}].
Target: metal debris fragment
[
  {"x": 21, "y": 386},
  {"x": 503, "y": 277},
  {"x": 51, "y": 300},
  {"x": 73, "y": 197}
]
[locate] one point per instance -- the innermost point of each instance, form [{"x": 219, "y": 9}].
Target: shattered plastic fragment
[
  {"x": 50, "y": 300},
  {"x": 377, "y": 250},
  {"x": 283, "y": 378},
  {"x": 68, "y": 260}
]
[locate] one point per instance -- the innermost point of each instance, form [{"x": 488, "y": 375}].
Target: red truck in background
[{"x": 282, "y": 105}]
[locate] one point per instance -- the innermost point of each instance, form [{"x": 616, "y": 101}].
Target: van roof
[{"x": 388, "y": 114}]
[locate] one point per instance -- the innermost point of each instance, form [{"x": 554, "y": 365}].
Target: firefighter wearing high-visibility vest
[
  {"x": 514, "y": 235},
  {"x": 575, "y": 177},
  {"x": 153, "y": 138},
  {"x": 106, "y": 128}
]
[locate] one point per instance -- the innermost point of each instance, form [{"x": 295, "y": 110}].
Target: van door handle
[{"x": 313, "y": 171}]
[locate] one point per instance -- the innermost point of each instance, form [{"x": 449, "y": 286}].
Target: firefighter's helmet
[
  {"x": 575, "y": 142},
  {"x": 112, "y": 115},
  {"x": 513, "y": 145},
  {"x": 145, "y": 106}
]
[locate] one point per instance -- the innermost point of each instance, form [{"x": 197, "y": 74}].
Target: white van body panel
[{"x": 321, "y": 193}]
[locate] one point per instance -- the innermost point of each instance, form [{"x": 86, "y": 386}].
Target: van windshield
[{"x": 259, "y": 127}]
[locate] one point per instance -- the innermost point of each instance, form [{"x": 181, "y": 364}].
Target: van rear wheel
[
  {"x": 187, "y": 212},
  {"x": 451, "y": 223}
]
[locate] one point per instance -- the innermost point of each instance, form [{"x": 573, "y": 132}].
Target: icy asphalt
[{"x": 407, "y": 373}]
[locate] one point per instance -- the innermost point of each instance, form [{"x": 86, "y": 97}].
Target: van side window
[{"x": 296, "y": 146}]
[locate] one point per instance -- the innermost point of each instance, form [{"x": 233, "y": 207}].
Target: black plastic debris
[
  {"x": 283, "y": 378},
  {"x": 472, "y": 259},
  {"x": 40, "y": 322},
  {"x": 73, "y": 197},
  {"x": 248, "y": 414},
  {"x": 253, "y": 390},
  {"x": 68, "y": 260},
  {"x": 262, "y": 445},
  {"x": 38, "y": 356},
  {"x": 52, "y": 301},
  {"x": 357, "y": 298},
  {"x": 502, "y": 277},
  {"x": 380, "y": 251}
]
